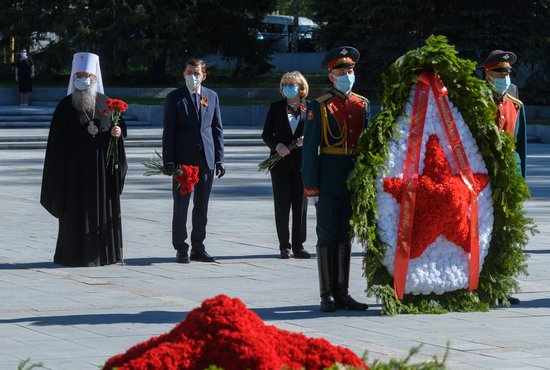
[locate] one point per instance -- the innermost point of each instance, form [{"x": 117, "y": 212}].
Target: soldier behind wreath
[
  {"x": 511, "y": 111},
  {"x": 510, "y": 116}
]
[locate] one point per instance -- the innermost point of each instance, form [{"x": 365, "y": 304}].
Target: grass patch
[
  {"x": 143, "y": 100},
  {"x": 245, "y": 101},
  {"x": 224, "y": 101},
  {"x": 539, "y": 121}
]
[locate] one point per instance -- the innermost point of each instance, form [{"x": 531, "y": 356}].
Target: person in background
[
  {"x": 79, "y": 187},
  {"x": 284, "y": 125},
  {"x": 24, "y": 74},
  {"x": 193, "y": 135},
  {"x": 333, "y": 125},
  {"x": 511, "y": 111}
]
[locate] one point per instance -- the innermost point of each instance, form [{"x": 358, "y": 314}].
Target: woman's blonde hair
[{"x": 303, "y": 87}]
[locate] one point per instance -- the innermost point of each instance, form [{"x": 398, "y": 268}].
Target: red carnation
[
  {"x": 187, "y": 178},
  {"x": 223, "y": 332},
  {"x": 117, "y": 105}
]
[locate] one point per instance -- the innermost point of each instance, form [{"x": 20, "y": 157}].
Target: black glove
[
  {"x": 220, "y": 170},
  {"x": 168, "y": 168}
]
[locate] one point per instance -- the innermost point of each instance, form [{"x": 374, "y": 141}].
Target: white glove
[
  {"x": 300, "y": 141},
  {"x": 314, "y": 200}
]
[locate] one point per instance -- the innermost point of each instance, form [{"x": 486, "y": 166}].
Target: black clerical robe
[{"x": 80, "y": 188}]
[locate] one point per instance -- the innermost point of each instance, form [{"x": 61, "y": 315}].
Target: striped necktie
[{"x": 197, "y": 98}]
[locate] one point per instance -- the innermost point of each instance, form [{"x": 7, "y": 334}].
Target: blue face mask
[
  {"x": 345, "y": 83},
  {"x": 82, "y": 83},
  {"x": 501, "y": 84},
  {"x": 290, "y": 91}
]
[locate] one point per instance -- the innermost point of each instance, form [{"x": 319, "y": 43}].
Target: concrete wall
[
  {"x": 283, "y": 62},
  {"x": 253, "y": 115},
  {"x": 10, "y": 96},
  {"x": 250, "y": 115}
]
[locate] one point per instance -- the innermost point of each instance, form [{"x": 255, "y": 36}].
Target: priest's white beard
[{"x": 84, "y": 100}]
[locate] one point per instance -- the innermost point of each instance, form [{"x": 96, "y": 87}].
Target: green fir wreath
[{"x": 472, "y": 96}]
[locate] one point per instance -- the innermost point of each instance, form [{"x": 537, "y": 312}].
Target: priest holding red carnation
[{"x": 79, "y": 187}]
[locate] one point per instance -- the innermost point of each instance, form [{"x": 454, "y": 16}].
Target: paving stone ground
[{"x": 76, "y": 318}]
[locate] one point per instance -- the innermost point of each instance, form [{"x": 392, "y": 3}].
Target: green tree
[
  {"x": 385, "y": 30},
  {"x": 229, "y": 28},
  {"x": 288, "y": 7},
  {"x": 144, "y": 31},
  {"x": 150, "y": 33},
  {"x": 32, "y": 23}
]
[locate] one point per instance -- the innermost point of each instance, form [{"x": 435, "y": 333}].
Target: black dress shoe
[
  {"x": 349, "y": 303},
  {"x": 182, "y": 257},
  {"x": 285, "y": 254},
  {"x": 302, "y": 254},
  {"x": 513, "y": 300},
  {"x": 327, "y": 304},
  {"x": 202, "y": 257}
]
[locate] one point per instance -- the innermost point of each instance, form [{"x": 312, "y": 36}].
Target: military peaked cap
[
  {"x": 499, "y": 61},
  {"x": 342, "y": 57}
]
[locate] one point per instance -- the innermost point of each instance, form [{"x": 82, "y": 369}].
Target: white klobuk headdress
[{"x": 89, "y": 63}]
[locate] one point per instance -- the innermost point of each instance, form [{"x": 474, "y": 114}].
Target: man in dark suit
[{"x": 193, "y": 135}]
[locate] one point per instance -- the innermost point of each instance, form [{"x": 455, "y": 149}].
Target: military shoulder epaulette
[
  {"x": 359, "y": 96},
  {"x": 322, "y": 98},
  {"x": 515, "y": 100}
]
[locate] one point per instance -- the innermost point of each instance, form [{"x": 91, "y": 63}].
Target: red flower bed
[{"x": 223, "y": 332}]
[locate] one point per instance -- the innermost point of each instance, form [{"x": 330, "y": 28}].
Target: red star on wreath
[{"x": 442, "y": 201}]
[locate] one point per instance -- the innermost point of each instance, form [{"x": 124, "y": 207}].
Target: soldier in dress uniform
[
  {"x": 511, "y": 112},
  {"x": 333, "y": 125}
]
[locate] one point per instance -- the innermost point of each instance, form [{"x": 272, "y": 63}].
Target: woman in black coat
[
  {"x": 24, "y": 73},
  {"x": 284, "y": 125}
]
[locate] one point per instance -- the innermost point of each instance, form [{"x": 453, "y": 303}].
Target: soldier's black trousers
[{"x": 333, "y": 216}]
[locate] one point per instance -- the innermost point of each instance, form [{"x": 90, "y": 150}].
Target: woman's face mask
[
  {"x": 290, "y": 91},
  {"x": 82, "y": 83}
]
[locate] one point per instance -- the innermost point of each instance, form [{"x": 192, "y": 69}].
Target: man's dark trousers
[{"x": 201, "y": 195}]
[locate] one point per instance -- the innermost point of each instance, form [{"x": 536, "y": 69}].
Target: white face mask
[
  {"x": 82, "y": 83},
  {"x": 193, "y": 82}
]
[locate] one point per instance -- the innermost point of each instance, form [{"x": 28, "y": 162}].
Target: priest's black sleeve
[{"x": 52, "y": 193}]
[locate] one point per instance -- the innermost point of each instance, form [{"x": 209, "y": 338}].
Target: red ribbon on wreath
[{"x": 426, "y": 81}]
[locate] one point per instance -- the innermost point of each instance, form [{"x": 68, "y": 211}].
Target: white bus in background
[{"x": 280, "y": 29}]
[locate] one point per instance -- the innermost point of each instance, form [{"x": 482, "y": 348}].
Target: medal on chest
[{"x": 92, "y": 128}]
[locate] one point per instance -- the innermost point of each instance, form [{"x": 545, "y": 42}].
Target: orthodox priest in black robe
[{"x": 79, "y": 185}]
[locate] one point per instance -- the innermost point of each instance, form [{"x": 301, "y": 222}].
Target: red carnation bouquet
[
  {"x": 186, "y": 176},
  {"x": 116, "y": 108}
]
